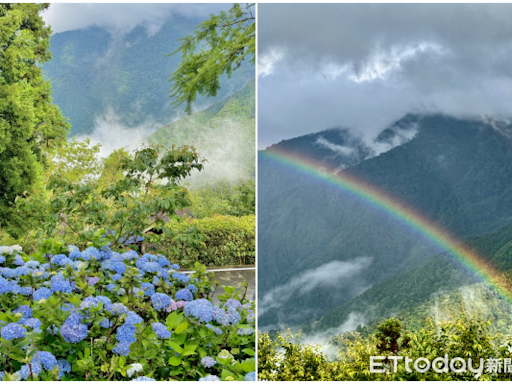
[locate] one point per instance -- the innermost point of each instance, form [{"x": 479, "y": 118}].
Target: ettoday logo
[{"x": 442, "y": 365}]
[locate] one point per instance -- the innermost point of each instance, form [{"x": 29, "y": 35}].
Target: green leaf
[{"x": 175, "y": 361}]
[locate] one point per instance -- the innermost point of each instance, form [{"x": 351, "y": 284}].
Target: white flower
[
  {"x": 136, "y": 367},
  {"x": 17, "y": 248}
]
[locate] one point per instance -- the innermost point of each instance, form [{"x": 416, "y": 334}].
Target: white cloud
[
  {"x": 333, "y": 274},
  {"x": 342, "y": 150},
  {"x": 266, "y": 62}
]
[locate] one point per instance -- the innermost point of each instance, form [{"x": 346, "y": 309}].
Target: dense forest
[
  {"x": 455, "y": 171},
  {"x": 95, "y": 71}
]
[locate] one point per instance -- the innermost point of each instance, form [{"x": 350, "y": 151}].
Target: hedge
[{"x": 213, "y": 241}]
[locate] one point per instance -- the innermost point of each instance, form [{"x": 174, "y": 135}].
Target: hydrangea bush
[{"x": 97, "y": 314}]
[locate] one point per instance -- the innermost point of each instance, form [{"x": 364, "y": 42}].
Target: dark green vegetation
[
  {"x": 459, "y": 335},
  {"x": 456, "y": 172},
  {"x": 31, "y": 127},
  {"x": 94, "y": 72},
  {"x": 219, "y": 45},
  {"x": 420, "y": 287}
]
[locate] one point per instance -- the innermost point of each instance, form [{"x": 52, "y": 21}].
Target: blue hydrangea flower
[
  {"x": 155, "y": 281},
  {"x": 33, "y": 323},
  {"x": 93, "y": 281},
  {"x": 110, "y": 287},
  {"x": 12, "y": 331},
  {"x": 61, "y": 260},
  {"x": 47, "y": 360},
  {"x": 149, "y": 289},
  {"x": 60, "y": 285},
  {"x": 163, "y": 262},
  {"x": 35, "y": 368},
  {"x": 116, "y": 277},
  {"x": 251, "y": 376},
  {"x": 122, "y": 348},
  {"x": 150, "y": 267},
  {"x": 18, "y": 260},
  {"x": 73, "y": 331},
  {"x": 184, "y": 294},
  {"x": 245, "y": 331},
  {"x": 160, "y": 301},
  {"x": 120, "y": 268},
  {"x": 33, "y": 264},
  {"x": 121, "y": 292},
  {"x": 143, "y": 378},
  {"x": 233, "y": 303},
  {"x": 161, "y": 330},
  {"x": 192, "y": 288},
  {"x": 26, "y": 291},
  {"x": 25, "y": 310},
  {"x": 90, "y": 253},
  {"x": 130, "y": 255},
  {"x": 216, "y": 330},
  {"x": 119, "y": 309},
  {"x": 208, "y": 362},
  {"x": 5, "y": 287},
  {"x": 163, "y": 273},
  {"x": 2, "y": 259},
  {"x": 132, "y": 318},
  {"x": 106, "y": 323},
  {"x": 75, "y": 254},
  {"x": 209, "y": 378},
  {"x": 201, "y": 309},
  {"x": 182, "y": 278},
  {"x": 64, "y": 367},
  {"x": 2, "y": 375},
  {"x": 175, "y": 267},
  {"x": 126, "y": 333}
]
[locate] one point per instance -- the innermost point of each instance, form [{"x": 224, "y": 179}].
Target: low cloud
[
  {"x": 334, "y": 274},
  {"x": 113, "y": 135},
  {"x": 340, "y": 149},
  {"x": 123, "y": 17}
]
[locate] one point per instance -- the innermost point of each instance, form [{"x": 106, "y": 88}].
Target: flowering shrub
[{"x": 96, "y": 314}]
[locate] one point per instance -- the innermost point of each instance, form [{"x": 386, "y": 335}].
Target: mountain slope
[
  {"x": 95, "y": 74},
  {"x": 223, "y": 133},
  {"x": 440, "y": 274},
  {"x": 456, "y": 172}
]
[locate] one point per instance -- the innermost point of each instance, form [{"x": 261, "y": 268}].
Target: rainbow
[{"x": 397, "y": 211}]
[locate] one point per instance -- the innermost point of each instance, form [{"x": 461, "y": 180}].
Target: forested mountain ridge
[
  {"x": 95, "y": 72},
  {"x": 455, "y": 171},
  {"x": 439, "y": 275}
]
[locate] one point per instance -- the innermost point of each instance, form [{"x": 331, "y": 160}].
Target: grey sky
[
  {"x": 363, "y": 66},
  {"x": 118, "y": 16}
]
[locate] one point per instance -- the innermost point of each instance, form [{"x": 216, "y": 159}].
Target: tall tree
[
  {"x": 225, "y": 41},
  {"x": 30, "y": 125}
]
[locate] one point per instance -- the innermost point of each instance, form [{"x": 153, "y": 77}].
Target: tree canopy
[
  {"x": 30, "y": 125},
  {"x": 225, "y": 41}
]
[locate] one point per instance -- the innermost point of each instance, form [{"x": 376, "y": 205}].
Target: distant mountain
[
  {"x": 456, "y": 172},
  {"x": 223, "y": 133},
  {"x": 416, "y": 289},
  {"x": 94, "y": 73}
]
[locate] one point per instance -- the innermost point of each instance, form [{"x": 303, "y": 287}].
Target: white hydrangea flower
[
  {"x": 136, "y": 367},
  {"x": 17, "y": 248}
]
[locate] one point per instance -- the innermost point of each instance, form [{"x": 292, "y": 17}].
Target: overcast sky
[
  {"x": 68, "y": 16},
  {"x": 364, "y": 66}
]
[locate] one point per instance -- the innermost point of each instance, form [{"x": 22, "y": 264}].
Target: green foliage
[
  {"x": 224, "y": 198},
  {"x": 146, "y": 193},
  {"x": 296, "y": 363},
  {"x": 225, "y": 41},
  {"x": 465, "y": 336},
  {"x": 30, "y": 125},
  {"x": 213, "y": 241}
]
